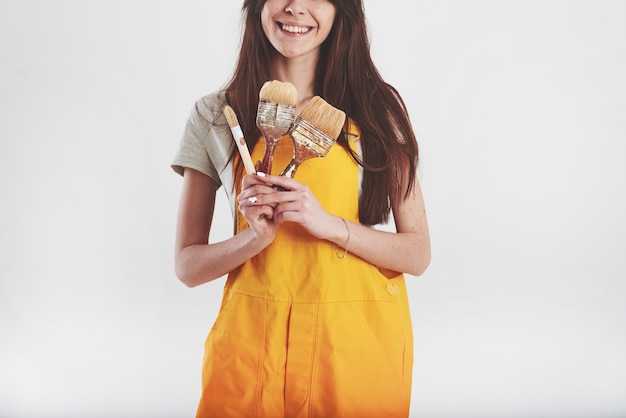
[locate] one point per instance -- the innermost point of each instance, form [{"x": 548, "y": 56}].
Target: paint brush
[
  {"x": 314, "y": 132},
  {"x": 244, "y": 153},
  {"x": 275, "y": 115}
]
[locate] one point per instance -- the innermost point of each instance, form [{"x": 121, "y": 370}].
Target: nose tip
[{"x": 294, "y": 7}]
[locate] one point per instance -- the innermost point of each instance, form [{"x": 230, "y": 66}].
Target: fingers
[
  {"x": 296, "y": 203},
  {"x": 257, "y": 196},
  {"x": 252, "y": 187},
  {"x": 253, "y": 202},
  {"x": 261, "y": 189},
  {"x": 257, "y": 213},
  {"x": 250, "y": 201},
  {"x": 250, "y": 180},
  {"x": 286, "y": 183}
]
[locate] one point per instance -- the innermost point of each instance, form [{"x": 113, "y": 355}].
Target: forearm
[
  {"x": 405, "y": 252},
  {"x": 201, "y": 263}
]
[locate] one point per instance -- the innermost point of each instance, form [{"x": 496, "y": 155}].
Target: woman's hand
[
  {"x": 256, "y": 206},
  {"x": 295, "y": 203}
]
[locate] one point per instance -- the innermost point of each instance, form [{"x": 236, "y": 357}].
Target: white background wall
[{"x": 520, "y": 110}]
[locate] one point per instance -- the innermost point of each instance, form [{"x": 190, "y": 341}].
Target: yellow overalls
[{"x": 302, "y": 333}]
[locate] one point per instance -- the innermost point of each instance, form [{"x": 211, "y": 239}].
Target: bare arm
[
  {"x": 407, "y": 250},
  {"x": 196, "y": 260}
]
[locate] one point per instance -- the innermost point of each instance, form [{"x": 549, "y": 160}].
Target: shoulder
[
  {"x": 207, "y": 126},
  {"x": 209, "y": 108},
  {"x": 212, "y": 102}
]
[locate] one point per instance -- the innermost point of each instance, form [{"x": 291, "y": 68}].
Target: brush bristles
[
  {"x": 279, "y": 92},
  {"x": 231, "y": 116},
  {"x": 324, "y": 117}
]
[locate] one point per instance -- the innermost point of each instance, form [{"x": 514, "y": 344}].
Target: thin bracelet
[{"x": 347, "y": 242}]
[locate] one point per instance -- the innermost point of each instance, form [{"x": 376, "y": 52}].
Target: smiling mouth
[{"x": 294, "y": 29}]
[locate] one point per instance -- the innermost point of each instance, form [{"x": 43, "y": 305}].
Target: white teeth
[{"x": 295, "y": 29}]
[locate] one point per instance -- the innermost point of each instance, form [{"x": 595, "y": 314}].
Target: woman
[{"x": 314, "y": 318}]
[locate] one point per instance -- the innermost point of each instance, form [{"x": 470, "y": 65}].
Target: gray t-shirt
[{"x": 207, "y": 143}]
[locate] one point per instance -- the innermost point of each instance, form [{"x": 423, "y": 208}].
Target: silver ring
[{"x": 252, "y": 199}]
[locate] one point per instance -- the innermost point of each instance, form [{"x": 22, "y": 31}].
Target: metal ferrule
[
  {"x": 310, "y": 136},
  {"x": 277, "y": 115}
]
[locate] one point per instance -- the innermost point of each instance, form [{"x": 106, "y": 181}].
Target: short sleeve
[
  {"x": 207, "y": 144},
  {"x": 204, "y": 146}
]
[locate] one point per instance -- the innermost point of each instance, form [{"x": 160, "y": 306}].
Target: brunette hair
[{"x": 347, "y": 78}]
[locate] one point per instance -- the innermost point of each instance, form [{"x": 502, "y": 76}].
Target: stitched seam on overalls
[
  {"x": 313, "y": 357},
  {"x": 259, "y": 384},
  {"x": 275, "y": 299},
  {"x": 301, "y": 242}
]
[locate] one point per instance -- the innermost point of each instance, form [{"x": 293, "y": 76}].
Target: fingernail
[{"x": 260, "y": 174}]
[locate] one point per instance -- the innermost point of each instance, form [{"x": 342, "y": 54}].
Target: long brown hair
[{"x": 347, "y": 78}]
